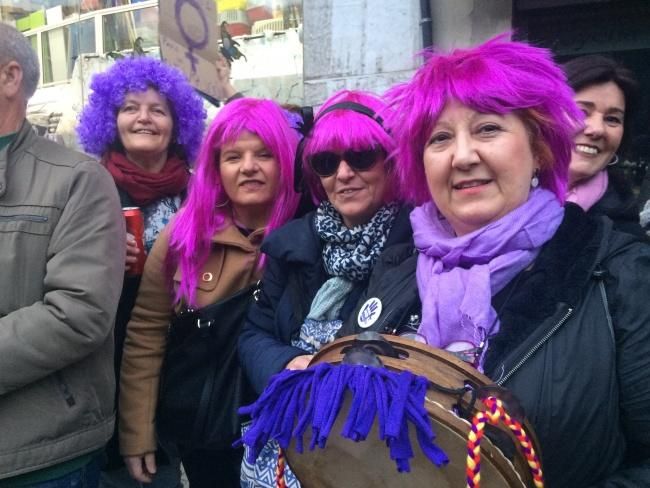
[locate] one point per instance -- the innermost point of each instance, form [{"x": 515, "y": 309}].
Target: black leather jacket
[{"x": 574, "y": 347}]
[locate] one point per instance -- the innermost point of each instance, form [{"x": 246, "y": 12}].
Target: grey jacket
[{"x": 62, "y": 262}]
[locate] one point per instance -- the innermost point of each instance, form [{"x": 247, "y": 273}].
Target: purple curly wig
[
  {"x": 340, "y": 130},
  {"x": 500, "y": 77},
  {"x": 199, "y": 219},
  {"x": 97, "y": 129}
]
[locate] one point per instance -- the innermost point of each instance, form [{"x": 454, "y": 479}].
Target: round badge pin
[{"x": 369, "y": 313}]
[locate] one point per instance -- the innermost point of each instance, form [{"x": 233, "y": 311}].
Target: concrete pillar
[
  {"x": 462, "y": 23},
  {"x": 358, "y": 44}
]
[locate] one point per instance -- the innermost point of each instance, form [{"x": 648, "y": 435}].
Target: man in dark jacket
[{"x": 62, "y": 259}]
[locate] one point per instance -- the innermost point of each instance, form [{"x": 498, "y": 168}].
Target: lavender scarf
[{"x": 457, "y": 276}]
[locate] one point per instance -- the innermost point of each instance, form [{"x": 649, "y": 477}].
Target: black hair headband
[{"x": 308, "y": 124}]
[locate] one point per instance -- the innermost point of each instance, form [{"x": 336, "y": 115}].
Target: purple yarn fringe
[{"x": 295, "y": 400}]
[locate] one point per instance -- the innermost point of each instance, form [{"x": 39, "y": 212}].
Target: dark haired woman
[{"x": 606, "y": 92}]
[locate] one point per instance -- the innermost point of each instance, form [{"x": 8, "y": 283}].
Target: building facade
[{"x": 300, "y": 52}]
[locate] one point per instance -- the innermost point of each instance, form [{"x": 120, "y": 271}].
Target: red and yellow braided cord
[
  {"x": 493, "y": 414},
  {"x": 279, "y": 470}
]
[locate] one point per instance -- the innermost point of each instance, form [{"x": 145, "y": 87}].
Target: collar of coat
[
  {"x": 558, "y": 279},
  {"x": 298, "y": 241},
  {"x": 230, "y": 235}
]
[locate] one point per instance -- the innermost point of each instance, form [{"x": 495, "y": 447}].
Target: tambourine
[{"x": 458, "y": 416}]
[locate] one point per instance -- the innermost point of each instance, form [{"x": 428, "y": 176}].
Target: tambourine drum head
[{"x": 345, "y": 463}]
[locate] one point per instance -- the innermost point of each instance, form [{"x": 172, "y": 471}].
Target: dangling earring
[
  {"x": 221, "y": 205},
  {"x": 614, "y": 162},
  {"x": 534, "y": 181}
]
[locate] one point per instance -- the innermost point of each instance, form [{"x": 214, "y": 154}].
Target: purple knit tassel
[
  {"x": 308, "y": 412},
  {"x": 330, "y": 400},
  {"x": 363, "y": 409},
  {"x": 295, "y": 400},
  {"x": 382, "y": 404},
  {"x": 400, "y": 448},
  {"x": 396, "y": 407}
]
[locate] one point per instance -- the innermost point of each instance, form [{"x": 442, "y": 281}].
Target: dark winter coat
[
  {"x": 619, "y": 204},
  {"x": 293, "y": 273},
  {"x": 574, "y": 347}
]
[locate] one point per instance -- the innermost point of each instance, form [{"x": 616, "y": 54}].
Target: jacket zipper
[
  {"x": 389, "y": 313},
  {"x": 382, "y": 326},
  {"x": 29, "y": 218},
  {"x": 534, "y": 349}
]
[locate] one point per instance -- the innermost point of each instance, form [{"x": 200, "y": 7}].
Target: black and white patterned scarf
[{"x": 351, "y": 253}]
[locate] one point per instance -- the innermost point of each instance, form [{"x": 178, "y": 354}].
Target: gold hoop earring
[{"x": 221, "y": 205}]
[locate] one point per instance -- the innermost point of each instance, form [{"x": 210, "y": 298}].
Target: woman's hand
[
  {"x": 141, "y": 468},
  {"x": 224, "y": 85},
  {"x": 299, "y": 362},
  {"x": 132, "y": 252}
]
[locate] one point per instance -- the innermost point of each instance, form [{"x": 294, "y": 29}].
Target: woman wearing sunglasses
[{"x": 318, "y": 266}]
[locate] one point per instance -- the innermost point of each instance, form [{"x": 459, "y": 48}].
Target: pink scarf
[{"x": 588, "y": 192}]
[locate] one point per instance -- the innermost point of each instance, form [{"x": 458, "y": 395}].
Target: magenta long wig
[
  {"x": 498, "y": 76},
  {"x": 344, "y": 129},
  {"x": 200, "y": 218}
]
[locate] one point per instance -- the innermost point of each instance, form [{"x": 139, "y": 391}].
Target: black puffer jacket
[
  {"x": 619, "y": 204},
  {"x": 293, "y": 274},
  {"x": 583, "y": 379}
]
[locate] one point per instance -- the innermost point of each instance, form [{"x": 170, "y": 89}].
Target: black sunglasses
[{"x": 326, "y": 163}]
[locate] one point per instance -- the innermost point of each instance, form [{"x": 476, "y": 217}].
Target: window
[
  {"x": 269, "y": 37},
  {"x": 122, "y": 29},
  {"x": 55, "y": 46},
  {"x": 268, "y": 33},
  {"x": 62, "y": 46},
  {"x": 34, "y": 42}
]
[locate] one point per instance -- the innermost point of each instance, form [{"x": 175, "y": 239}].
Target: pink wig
[
  {"x": 344, "y": 129},
  {"x": 498, "y": 76},
  {"x": 200, "y": 219}
]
